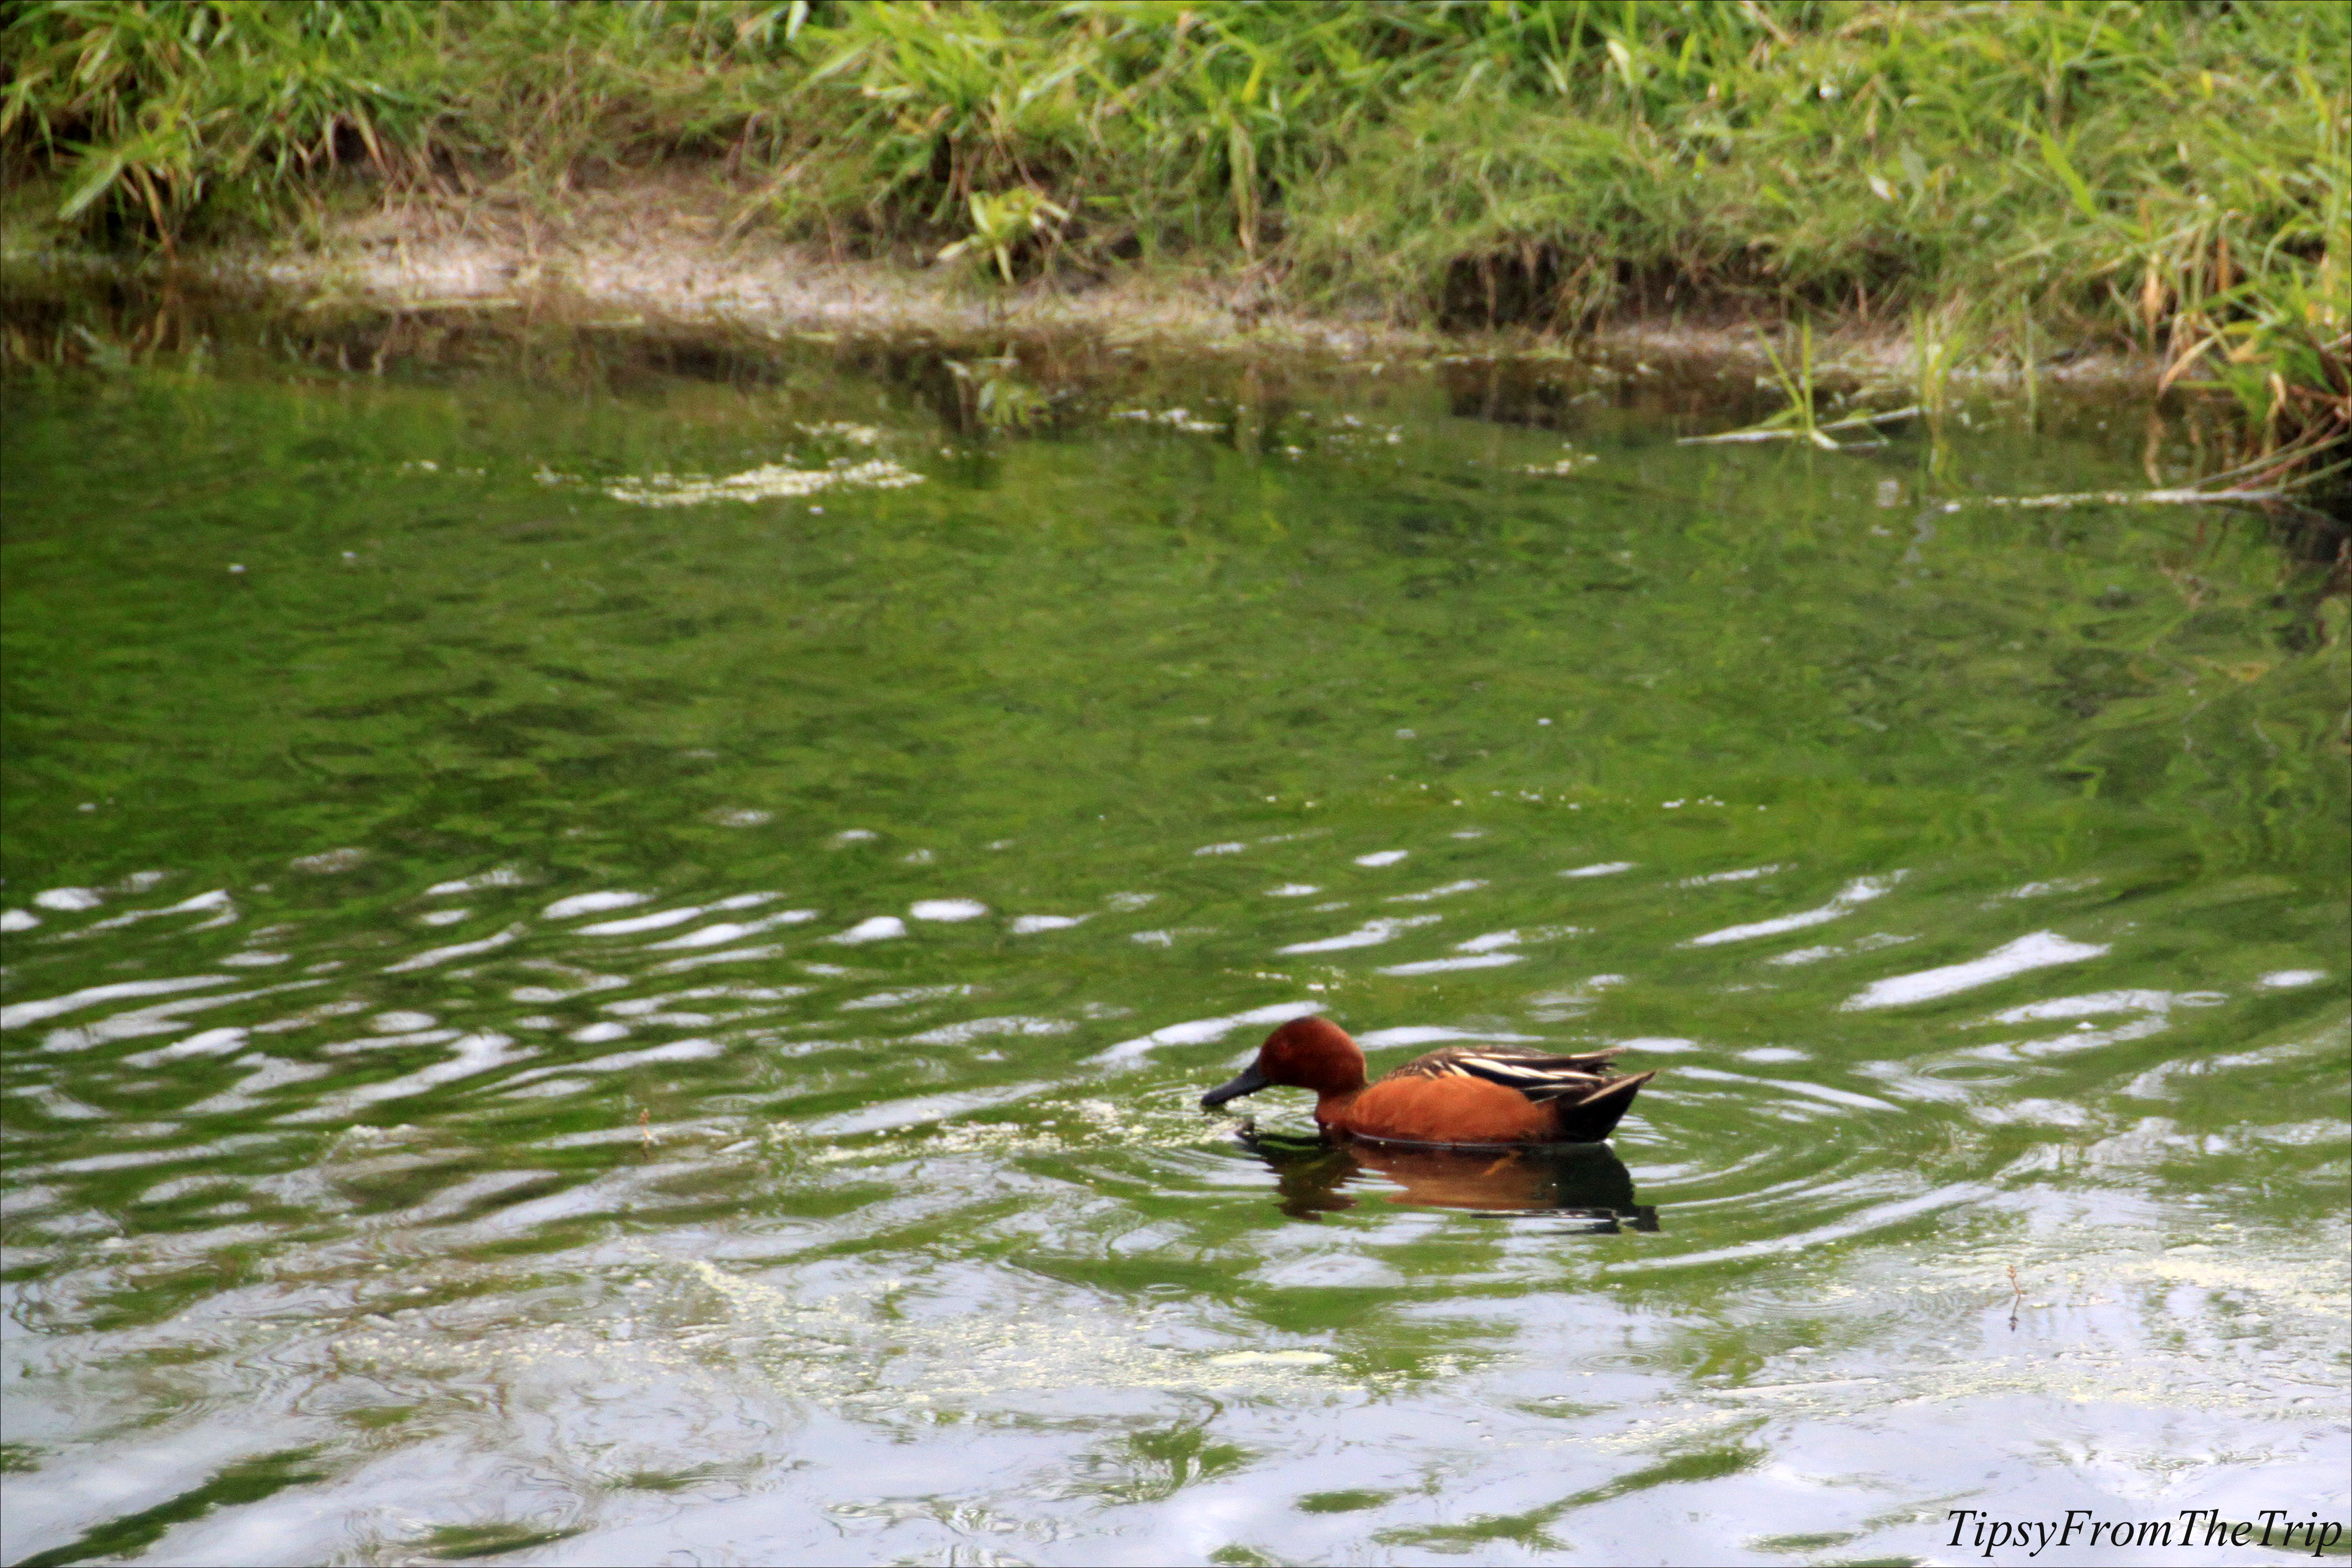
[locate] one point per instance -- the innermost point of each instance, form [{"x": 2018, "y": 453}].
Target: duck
[{"x": 1461, "y": 1097}]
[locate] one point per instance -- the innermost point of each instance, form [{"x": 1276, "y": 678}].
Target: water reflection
[
  {"x": 1583, "y": 1181},
  {"x": 705, "y": 1007}
]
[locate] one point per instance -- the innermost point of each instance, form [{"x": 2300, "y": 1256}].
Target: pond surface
[{"x": 612, "y": 939}]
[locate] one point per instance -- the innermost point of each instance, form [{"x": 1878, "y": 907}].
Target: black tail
[{"x": 1594, "y": 1117}]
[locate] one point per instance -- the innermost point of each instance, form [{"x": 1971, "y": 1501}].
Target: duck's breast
[{"x": 1447, "y": 1110}]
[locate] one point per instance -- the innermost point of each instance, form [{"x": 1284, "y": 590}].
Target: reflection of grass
[
  {"x": 1530, "y": 1529},
  {"x": 245, "y": 1481},
  {"x": 376, "y": 1417},
  {"x": 454, "y": 1542},
  {"x": 674, "y": 1480},
  {"x": 1001, "y": 399},
  {"x": 1819, "y": 1541},
  {"x": 1152, "y": 1466}
]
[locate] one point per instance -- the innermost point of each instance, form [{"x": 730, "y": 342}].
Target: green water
[{"x": 553, "y": 1027}]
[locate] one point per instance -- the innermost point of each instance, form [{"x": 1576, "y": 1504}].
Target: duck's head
[{"x": 1305, "y": 1053}]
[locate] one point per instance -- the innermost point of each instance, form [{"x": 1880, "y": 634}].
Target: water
[{"x": 551, "y": 1027}]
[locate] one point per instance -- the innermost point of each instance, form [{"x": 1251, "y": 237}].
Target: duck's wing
[{"x": 1536, "y": 1074}]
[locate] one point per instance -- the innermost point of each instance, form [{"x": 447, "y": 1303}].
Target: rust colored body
[
  {"x": 1464, "y": 1095},
  {"x": 1442, "y": 1110}
]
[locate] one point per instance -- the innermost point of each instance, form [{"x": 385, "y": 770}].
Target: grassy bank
[{"x": 2171, "y": 177}]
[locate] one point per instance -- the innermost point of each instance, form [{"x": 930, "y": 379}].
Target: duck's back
[{"x": 1539, "y": 1075}]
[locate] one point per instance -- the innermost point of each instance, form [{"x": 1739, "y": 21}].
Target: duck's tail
[{"x": 1594, "y": 1117}]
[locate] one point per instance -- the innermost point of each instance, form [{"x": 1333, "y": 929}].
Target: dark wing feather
[{"x": 1536, "y": 1074}]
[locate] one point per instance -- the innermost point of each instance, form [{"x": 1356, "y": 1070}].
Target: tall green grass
[
  {"x": 159, "y": 116},
  {"x": 2172, "y": 177}
]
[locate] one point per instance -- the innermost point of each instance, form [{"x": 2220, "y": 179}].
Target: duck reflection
[{"x": 1582, "y": 1181}]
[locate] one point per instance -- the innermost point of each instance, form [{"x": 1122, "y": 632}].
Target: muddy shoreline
[{"x": 669, "y": 251}]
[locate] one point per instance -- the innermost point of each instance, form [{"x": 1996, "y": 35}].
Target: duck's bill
[{"x": 1249, "y": 1082}]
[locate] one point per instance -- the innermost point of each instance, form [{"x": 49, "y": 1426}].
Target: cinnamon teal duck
[{"x": 1461, "y": 1096}]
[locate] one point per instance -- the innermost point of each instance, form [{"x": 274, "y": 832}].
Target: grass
[
  {"x": 2170, "y": 177},
  {"x": 1797, "y": 384}
]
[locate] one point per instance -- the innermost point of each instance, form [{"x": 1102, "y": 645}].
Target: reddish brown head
[{"x": 1305, "y": 1053}]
